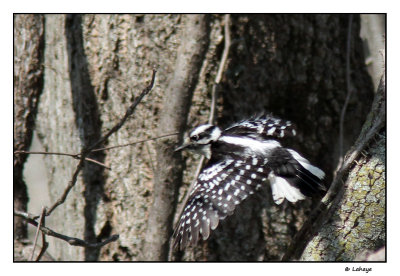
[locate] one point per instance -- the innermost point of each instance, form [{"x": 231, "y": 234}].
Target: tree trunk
[
  {"x": 356, "y": 220},
  {"x": 177, "y": 100},
  {"x": 28, "y": 85},
  {"x": 95, "y": 65}
]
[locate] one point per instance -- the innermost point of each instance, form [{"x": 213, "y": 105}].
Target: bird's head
[{"x": 200, "y": 139}]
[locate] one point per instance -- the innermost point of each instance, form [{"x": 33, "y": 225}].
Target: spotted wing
[
  {"x": 219, "y": 188},
  {"x": 263, "y": 127}
]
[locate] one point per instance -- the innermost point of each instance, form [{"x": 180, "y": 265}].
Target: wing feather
[{"x": 220, "y": 187}]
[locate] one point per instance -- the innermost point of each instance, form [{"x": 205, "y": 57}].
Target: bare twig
[
  {"x": 45, "y": 245},
  {"x": 221, "y": 68},
  {"x": 25, "y": 215},
  {"x": 41, "y": 222},
  {"x": 75, "y": 156},
  {"x": 71, "y": 184},
  {"x": 71, "y": 240},
  {"x": 136, "y": 142},
  {"x": 348, "y": 95}
]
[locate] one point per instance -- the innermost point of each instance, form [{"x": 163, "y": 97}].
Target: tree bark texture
[
  {"x": 356, "y": 221},
  {"x": 28, "y": 86},
  {"x": 176, "y": 105},
  {"x": 95, "y": 65}
]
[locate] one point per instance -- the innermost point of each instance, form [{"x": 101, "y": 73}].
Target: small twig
[
  {"x": 71, "y": 240},
  {"x": 136, "y": 142},
  {"x": 75, "y": 156},
  {"x": 45, "y": 245},
  {"x": 97, "y": 163},
  {"x": 25, "y": 215},
  {"x": 227, "y": 45},
  {"x": 41, "y": 222},
  {"x": 71, "y": 184},
  {"x": 348, "y": 95}
]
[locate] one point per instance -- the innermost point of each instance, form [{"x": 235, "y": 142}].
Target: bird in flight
[{"x": 241, "y": 159}]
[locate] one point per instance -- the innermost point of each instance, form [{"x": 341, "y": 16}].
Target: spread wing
[
  {"x": 227, "y": 180},
  {"x": 219, "y": 188}
]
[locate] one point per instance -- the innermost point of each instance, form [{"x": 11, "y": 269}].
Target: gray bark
[
  {"x": 28, "y": 85},
  {"x": 58, "y": 132},
  {"x": 176, "y": 105},
  {"x": 87, "y": 120}
]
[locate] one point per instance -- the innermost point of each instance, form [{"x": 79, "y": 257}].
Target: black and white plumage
[{"x": 242, "y": 158}]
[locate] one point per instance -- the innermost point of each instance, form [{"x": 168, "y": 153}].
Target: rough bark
[
  {"x": 58, "y": 132},
  {"x": 87, "y": 119},
  {"x": 28, "y": 85},
  {"x": 355, "y": 222},
  {"x": 176, "y": 105},
  {"x": 120, "y": 51}
]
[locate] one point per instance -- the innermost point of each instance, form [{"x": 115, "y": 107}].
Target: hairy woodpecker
[{"x": 242, "y": 158}]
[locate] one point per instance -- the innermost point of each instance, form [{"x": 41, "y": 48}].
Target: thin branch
[
  {"x": 348, "y": 95},
  {"x": 41, "y": 222},
  {"x": 75, "y": 156},
  {"x": 227, "y": 45},
  {"x": 71, "y": 184},
  {"x": 26, "y": 215},
  {"x": 97, "y": 163},
  {"x": 45, "y": 245},
  {"x": 136, "y": 142},
  {"x": 71, "y": 240}
]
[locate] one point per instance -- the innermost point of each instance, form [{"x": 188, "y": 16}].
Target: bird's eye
[{"x": 195, "y": 137}]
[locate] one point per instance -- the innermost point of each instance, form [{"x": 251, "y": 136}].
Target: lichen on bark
[{"x": 358, "y": 220}]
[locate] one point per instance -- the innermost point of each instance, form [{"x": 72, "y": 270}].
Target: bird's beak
[
  {"x": 182, "y": 147},
  {"x": 186, "y": 144}
]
